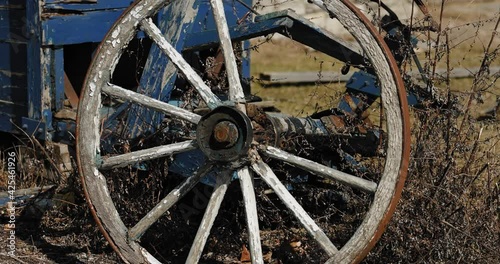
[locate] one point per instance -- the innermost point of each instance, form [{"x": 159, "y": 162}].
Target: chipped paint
[
  {"x": 205, "y": 92},
  {"x": 92, "y": 89},
  {"x": 171, "y": 110}
]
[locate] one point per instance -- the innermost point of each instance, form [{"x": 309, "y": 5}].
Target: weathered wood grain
[
  {"x": 247, "y": 188},
  {"x": 223, "y": 180},
  {"x": 235, "y": 88},
  {"x": 172, "y": 111},
  {"x": 146, "y": 154},
  {"x": 320, "y": 170},
  {"x": 155, "y": 34}
]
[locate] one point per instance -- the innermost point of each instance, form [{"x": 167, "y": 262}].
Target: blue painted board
[
  {"x": 12, "y": 3},
  {"x": 13, "y": 58},
  {"x": 74, "y": 29},
  {"x": 13, "y": 25},
  {"x": 88, "y": 5},
  {"x": 207, "y": 38},
  {"x": 6, "y": 123},
  {"x": 13, "y": 88},
  {"x": 234, "y": 11},
  {"x": 15, "y": 111},
  {"x": 34, "y": 71}
]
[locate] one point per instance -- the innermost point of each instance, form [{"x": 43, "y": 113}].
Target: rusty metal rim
[{"x": 406, "y": 132}]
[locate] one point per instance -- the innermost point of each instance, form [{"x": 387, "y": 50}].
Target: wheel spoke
[
  {"x": 235, "y": 89},
  {"x": 152, "y": 103},
  {"x": 250, "y": 204},
  {"x": 146, "y": 154},
  {"x": 211, "y": 212},
  {"x": 320, "y": 170},
  {"x": 314, "y": 230},
  {"x": 193, "y": 78},
  {"x": 173, "y": 197}
]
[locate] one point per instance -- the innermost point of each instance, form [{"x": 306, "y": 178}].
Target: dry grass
[
  {"x": 285, "y": 55},
  {"x": 450, "y": 209}
]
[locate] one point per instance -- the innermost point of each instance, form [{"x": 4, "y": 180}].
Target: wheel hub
[{"x": 224, "y": 134}]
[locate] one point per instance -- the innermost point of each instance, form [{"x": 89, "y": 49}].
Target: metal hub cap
[{"x": 224, "y": 134}]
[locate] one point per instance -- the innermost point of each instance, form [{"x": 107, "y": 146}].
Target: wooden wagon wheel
[{"x": 227, "y": 139}]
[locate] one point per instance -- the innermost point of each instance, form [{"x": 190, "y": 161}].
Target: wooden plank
[
  {"x": 8, "y": 4},
  {"x": 320, "y": 170},
  {"x": 13, "y": 57},
  {"x": 13, "y": 87},
  {"x": 147, "y": 154},
  {"x": 302, "y": 77},
  {"x": 74, "y": 29},
  {"x": 151, "y": 103},
  {"x": 35, "y": 61},
  {"x": 326, "y": 77},
  {"x": 27, "y": 192},
  {"x": 86, "y": 5}
]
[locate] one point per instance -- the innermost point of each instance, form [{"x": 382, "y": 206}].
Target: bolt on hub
[{"x": 224, "y": 134}]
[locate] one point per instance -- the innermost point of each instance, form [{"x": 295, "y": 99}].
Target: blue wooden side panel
[
  {"x": 81, "y": 28},
  {"x": 13, "y": 61},
  {"x": 87, "y": 5},
  {"x": 12, "y": 24}
]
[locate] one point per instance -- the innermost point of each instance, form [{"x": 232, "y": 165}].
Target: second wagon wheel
[{"x": 170, "y": 173}]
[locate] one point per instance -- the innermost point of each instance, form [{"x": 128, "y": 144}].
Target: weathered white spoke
[
  {"x": 146, "y": 154},
  {"x": 250, "y": 204},
  {"x": 176, "y": 58},
  {"x": 173, "y": 197},
  {"x": 320, "y": 170},
  {"x": 235, "y": 89},
  {"x": 208, "y": 220},
  {"x": 173, "y": 111},
  {"x": 314, "y": 230}
]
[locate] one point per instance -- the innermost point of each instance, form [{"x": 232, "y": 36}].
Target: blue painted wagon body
[{"x": 46, "y": 47}]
